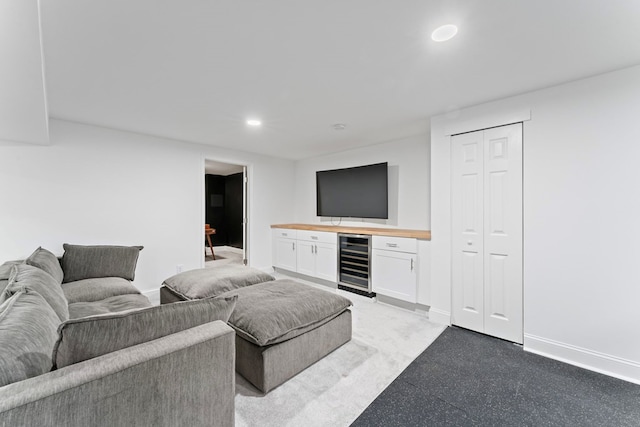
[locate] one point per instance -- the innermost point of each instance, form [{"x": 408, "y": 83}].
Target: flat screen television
[{"x": 359, "y": 192}]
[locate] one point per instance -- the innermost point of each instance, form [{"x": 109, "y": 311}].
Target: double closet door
[{"x": 486, "y": 198}]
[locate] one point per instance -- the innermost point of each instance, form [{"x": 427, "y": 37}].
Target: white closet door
[
  {"x": 503, "y": 232},
  {"x": 486, "y": 202},
  {"x": 467, "y": 225}
]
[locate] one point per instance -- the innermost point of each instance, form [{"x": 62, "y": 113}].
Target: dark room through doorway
[{"x": 225, "y": 210}]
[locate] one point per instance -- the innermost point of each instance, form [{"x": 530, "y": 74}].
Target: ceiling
[{"x": 195, "y": 70}]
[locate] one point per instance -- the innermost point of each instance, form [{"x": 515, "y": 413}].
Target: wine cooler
[{"x": 354, "y": 263}]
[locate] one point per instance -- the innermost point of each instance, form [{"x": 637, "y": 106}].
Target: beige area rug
[{"x": 335, "y": 390}]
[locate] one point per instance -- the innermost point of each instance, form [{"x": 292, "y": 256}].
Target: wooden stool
[{"x": 208, "y": 231}]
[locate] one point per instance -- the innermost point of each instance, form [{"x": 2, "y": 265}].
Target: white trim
[
  {"x": 153, "y": 295},
  {"x": 606, "y": 364},
  {"x": 439, "y": 316},
  {"x": 487, "y": 121}
]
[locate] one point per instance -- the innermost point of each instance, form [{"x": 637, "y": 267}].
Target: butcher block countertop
[{"x": 374, "y": 231}]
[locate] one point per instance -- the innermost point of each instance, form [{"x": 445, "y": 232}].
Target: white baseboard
[
  {"x": 439, "y": 316},
  {"x": 613, "y": 366},
  {"x": 153, "y": 295}
]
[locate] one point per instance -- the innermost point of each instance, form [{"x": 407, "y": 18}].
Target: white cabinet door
[
  {"x": 285, "y": 254},
  {"x": 326, "y": 261},
  {"x": 486, "y": 199},
  {"x": 306, "y": 258},
  {"x": 394, "y": 274}
]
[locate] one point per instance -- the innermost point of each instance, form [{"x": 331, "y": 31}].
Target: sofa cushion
[
  {"x": 108, "y": 305},
  {"x": 47, "y": 261},
  {"x": 210, "y": 282},
  {"x": 89, "y": 337},
  {"x": 88, "y": 262},
  {"x": 89, "y": 290},
  {"x": 5, "y": 269},
  {"x": 27, "y": 335},
  {"x": 273, "y": 312},
  {"x": 41, "y": 282}
]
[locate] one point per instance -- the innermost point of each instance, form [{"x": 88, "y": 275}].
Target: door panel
[
  {"x": 472, "y": 298},
  {"x": 327, "y": 261},
  {"x": 503, "y": 236},
  {"x": 467, "y": 223},
  {"x": 286, "y": 254},
  {"x": 394, "y": 274},
  {"x": 306, "y": 258}
]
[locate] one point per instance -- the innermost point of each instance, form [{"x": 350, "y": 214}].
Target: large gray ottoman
[{"x": 282, "y": 326}]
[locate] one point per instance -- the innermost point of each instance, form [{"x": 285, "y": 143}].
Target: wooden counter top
[{"x": 374, "y": 231}]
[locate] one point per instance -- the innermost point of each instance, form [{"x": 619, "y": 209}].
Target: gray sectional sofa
[{"x": 79, "y": 346}]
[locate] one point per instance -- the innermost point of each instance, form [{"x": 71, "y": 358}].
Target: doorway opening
[{"x": 225, "y": 213}]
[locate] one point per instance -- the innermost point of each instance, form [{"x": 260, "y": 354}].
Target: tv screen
[{"x": 359, "y": 192}]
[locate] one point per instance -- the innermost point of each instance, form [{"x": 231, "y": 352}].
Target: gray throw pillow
[
  {"x": 89, "y": 337},
  {"x": 47, "y": 261},
  {"x": 27, "y": 336},
  {"x": 41, "y": 282},
  {"x": 89, "y": 262}
]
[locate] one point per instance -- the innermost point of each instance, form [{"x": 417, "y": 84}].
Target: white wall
[
  {"x": 409, "y": 187},
  {"x": 100, "y": 186},
  {"x": 581, "y": 210}
]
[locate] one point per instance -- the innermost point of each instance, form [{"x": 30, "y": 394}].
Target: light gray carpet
[
  {"x": 335, "y": 390},
  {"x": 223, "y": 257}
]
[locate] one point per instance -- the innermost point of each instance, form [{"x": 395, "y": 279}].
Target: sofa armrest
[{"x": 187, "y": 378}]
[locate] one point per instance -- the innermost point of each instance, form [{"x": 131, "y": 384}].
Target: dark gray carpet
[{"x": 469, "y": 379}]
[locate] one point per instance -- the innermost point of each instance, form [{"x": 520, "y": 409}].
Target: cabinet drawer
[
  {"x": 284, "y": 233},
  {"x": 398, "y": 244},
  {"x": 318, "y": 236}
]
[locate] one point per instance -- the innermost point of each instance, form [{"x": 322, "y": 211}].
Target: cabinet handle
[
  {"x": 285, "y": 234},
  {"x": 392, "y": 245},
  {"x": 411, "y": 264},
  {"x": 316, "y": 248},
  {"x": 311, "y": 248},
  {"x": 314, "y": 237},
  {"x": 293, "y": 246}
]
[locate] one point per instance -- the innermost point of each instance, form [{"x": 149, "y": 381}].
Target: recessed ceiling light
[
  {"x": 444, "y": 33},
  {"x": 339, "y": 126},
  {"x": 254, "y": 123}
]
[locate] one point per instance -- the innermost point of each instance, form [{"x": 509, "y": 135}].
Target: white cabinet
[
  {"x": 317, "y": 254},
  {"x": 394, "y": 267},
  {"x": 312, "y": 253},
  {"x": 284, "y": 248},
  {"x": 394, "y": 260}
]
